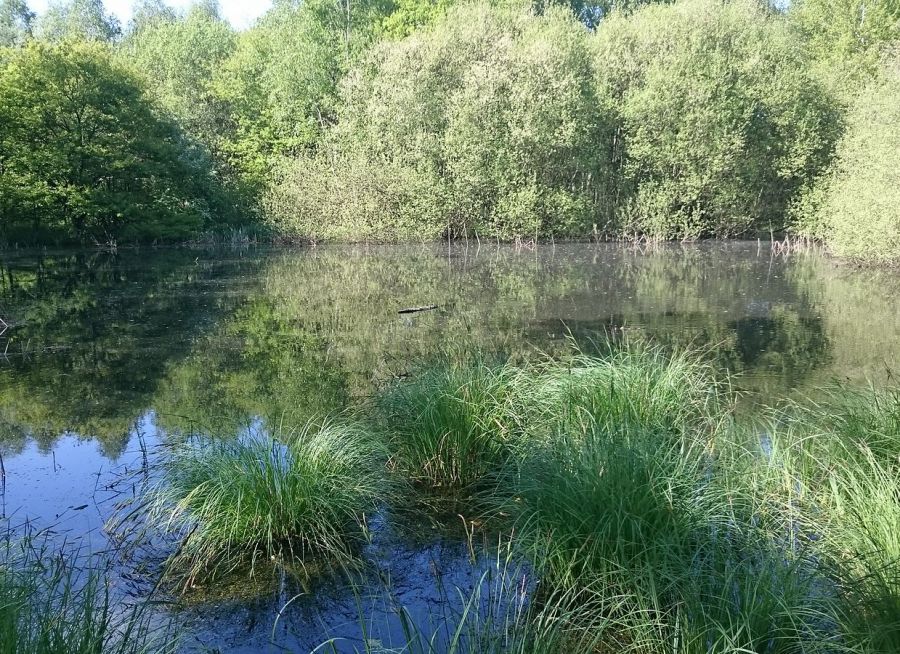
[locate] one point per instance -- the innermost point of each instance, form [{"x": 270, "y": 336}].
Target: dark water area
[{"x": 106, "y": 355}]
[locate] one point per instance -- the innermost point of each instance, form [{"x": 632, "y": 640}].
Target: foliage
[
  {"x": 719, "y": 121},
  {"x": 303, "y": 494},
  {"x": 846, "y": 38},
  {"x": 854, "y": 206},
  {"x": 85, "y": 156},
  {"x": 279, "y": 86},
  {"x": 486, "y": 122},
  {"x": 16, "y": 20},
  {"x": 178, "y": 57},
  {"x": 77, "y": 19}
]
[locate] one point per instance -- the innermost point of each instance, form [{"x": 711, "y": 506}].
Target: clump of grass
[
  {"x": 303, "y": 495},
  {"x": 636, "y": 386},
  {"x": 50, "y": 605},
  {"x": 605, "y": 504},
  {"x": 643, "y": 495},
  {"x": 630, "y": 514},
  {"x": 844, "y": 459},
  {"x": 864, "y": 538},
  {"x": 453, "y": 425}
]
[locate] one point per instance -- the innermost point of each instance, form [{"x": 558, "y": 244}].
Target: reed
[{"x": 54, "y": 602}]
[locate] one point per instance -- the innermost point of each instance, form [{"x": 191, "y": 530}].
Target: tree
[
  {"x": 148, "y": 13},
  {"x": 84, "y": 156},
  {"x": 847, "y": 36},
  {"x": 280, "y": 84},
  {"x": 855, "y": 208},
  {"x": 15, "y": 22},
  {"x": 720, "y": 122},
  {"x": 78, "y": 19},
  {"x": 486, "y": 123},
  {"x": 178, "y": 58}
]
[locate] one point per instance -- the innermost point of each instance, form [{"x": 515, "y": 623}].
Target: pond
[{"x": 105, "y": 354}]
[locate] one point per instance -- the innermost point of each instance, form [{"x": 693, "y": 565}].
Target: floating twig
[{"x": 427, "y": 307}]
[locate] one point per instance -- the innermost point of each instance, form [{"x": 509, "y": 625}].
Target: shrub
[
  {"x": 856, "y": 207},
  {"x": 303, "y": 495},
  {"x": 484, "y": 123},
  {"x": 719, "y": 120}
]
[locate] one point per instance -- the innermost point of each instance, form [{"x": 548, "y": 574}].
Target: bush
[
  {"x": 485, "y": 123},
  {"x": 233, "y": 501},
  {"x": 856, "y": 207},
  {"x": 720, "y": 122}
]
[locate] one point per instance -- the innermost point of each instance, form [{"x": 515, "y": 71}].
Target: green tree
[
  {"x": 855, "y": 208},
  {"x": 178, "y": 56},
  {"x": 720, "y": 121},
  {"x": 409, "y": 15},
  {"x": 280, "y": 86},
  {"x": 846, "y": 37},
  {"x": 79, "y": 19},
  {"x": 150, "y": 12},
  {"x": 486, "y": 123},
  {"x": 15, "y": 22},
  {"x": 84, "y": 156}
]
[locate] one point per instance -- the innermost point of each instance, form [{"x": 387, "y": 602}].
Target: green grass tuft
[
  {"x": 454, "y": 425},
  {"x": 635, "y": 387},
  {"x": 304, "y": 494}
]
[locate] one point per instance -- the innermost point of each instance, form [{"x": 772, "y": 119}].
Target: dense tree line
[{"x": 416, "y": 119}]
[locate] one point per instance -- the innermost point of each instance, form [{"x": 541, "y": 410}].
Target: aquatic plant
[
  {"x": 495, "y": 613},
  {"x": 454, "y": 424},
  {"x": 627, "y": 513},
  {"x": 54, "y": 602},
  {"x": 843, "y": 460},
  {"x": 635, "y": 386},
  {"x": 301, "y": 494}
]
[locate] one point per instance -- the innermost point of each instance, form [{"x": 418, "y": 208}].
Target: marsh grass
[
  {"x": 633, "y": 386},
  {"x": 452, "y": 427},
  {"x": 302, "y": 497},
  {"x": 633, "y": 515},
  {"x": 842, "y": 455},
  {"x": 59, "y": 602},
  {"x": 497, "y": 613}
]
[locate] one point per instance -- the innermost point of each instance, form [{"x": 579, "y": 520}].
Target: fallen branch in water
[{"x": 427, "y": 307}]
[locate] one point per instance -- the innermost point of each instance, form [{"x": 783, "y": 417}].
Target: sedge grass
[
  {"x": 845, "y": 457},
  {"x": 304, "y": 495},
  {"x": 452, "y": 426},
  {"x": 54, "y": 602},
  {"x": 636, "y": 386}
]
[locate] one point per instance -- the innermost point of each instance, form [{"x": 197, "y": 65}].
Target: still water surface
[{"x": 107, "y": 353}]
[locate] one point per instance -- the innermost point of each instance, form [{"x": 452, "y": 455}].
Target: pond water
[{"x": 104, "y": 354}]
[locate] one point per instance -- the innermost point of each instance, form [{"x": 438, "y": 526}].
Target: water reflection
[{"x": 215, "y": 340}]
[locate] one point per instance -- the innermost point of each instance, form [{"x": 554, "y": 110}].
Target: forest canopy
[{"x": 395, "y": 120}]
